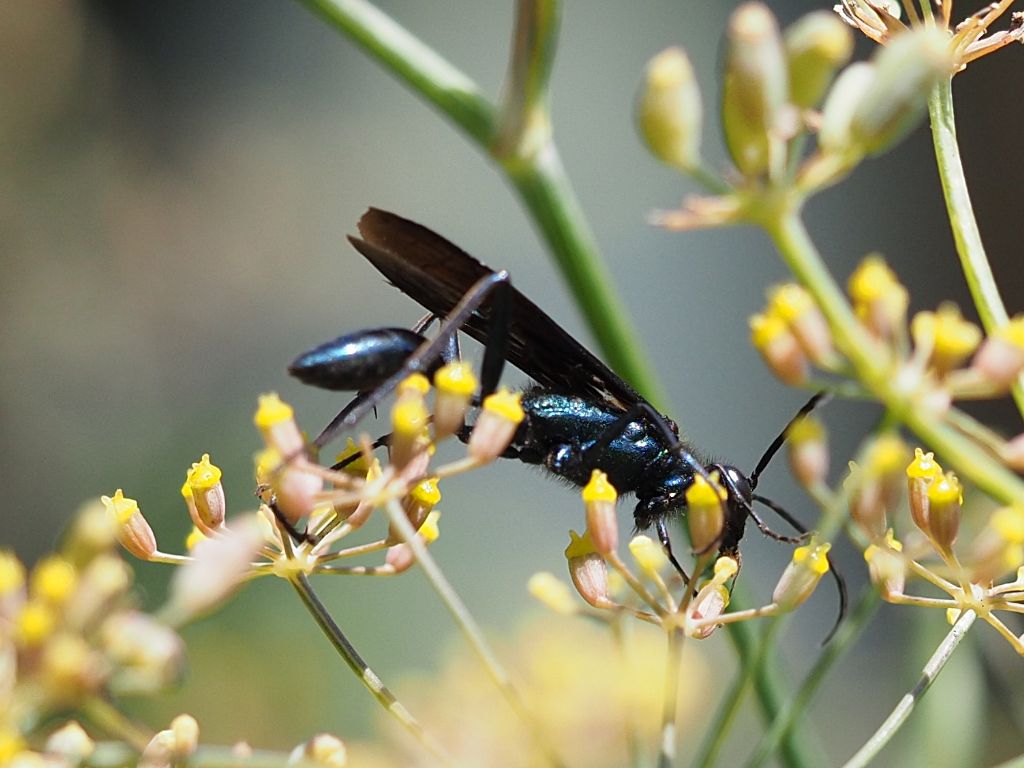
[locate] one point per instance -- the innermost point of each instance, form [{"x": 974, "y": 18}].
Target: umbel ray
[{"x": 579, "y": 415}]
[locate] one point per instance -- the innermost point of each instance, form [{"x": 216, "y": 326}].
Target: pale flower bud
[
  {"x": 816, "y": 46},
  {"x": 588, "y": 571},
  {"x": 710, "y": 603},
  {"x": 218, "y": 568},
  {"x": 754, "y": 90},
  {"x": 70, "y": 742},
  {"x": 887, "y": 567},
  {"x": 149, "y": 656},
  {"x": 669, "y": 110},
  {"x": 1001, "y": 357},
  {"x": 207, "y": 494},
  {"x": 186, "y": 735},
  {"x": 906, "y": 69},
  {"x": 802, "y": 575},
  {"x": 649, "y": 556},
  {"x": 322, "y": 750},
  {"x": 808, "y": 451},
  {"x": 133, "y": 531}
]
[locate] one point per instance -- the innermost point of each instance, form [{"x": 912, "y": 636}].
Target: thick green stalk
[
  {"x": 973, "y": 260},
  {"x": 538, "y": 176},
  {"x": 973, "y": 463}
]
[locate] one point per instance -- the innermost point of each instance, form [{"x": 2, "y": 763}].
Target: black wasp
[{"x": 580, "y": 415}]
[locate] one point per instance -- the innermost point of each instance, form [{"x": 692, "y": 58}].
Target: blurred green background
[{"x": 176, "y": 181}]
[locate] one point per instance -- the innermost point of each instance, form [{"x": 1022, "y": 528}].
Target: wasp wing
[{"x": 437, "y": 274}]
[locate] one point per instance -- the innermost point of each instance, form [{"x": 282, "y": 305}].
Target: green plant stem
[
  {"x": 973, "y": 463},
  {"x": 730, "y": 706},
  {"x": 967, "y": 236},
  {"x": 793, "y": 709},
  {"x": 537, "y": 176},
  {"x": 362, "y": 670},
  {"x": 906, "y": 705},
  {"x": 770, "y": 694},
  {"x": 770, "y": 687},
  {"x": 669, "y": 706},
  {"x": 470, "y": 630}
]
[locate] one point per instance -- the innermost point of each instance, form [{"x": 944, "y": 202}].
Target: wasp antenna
[
  {"x": 836, "y": 575},
  {"x": 819, "y": 398}
]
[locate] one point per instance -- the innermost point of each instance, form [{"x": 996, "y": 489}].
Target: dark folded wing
[{"x": 437, "y": 274}]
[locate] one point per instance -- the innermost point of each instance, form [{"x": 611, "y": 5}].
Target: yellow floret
[
  {"x": 701, "y": 493},
  {"x": 924, "y": 466},
  {"x": 456, "y": 378},
  {"x": 272, "y": 410},
  {"x": 416, "y": 382},
  {"x": 599, "y": 489},
  {"x": 505, "y": 404},
  {"x": 426, "y": 492},
  {"x": 204, "y": 475}
]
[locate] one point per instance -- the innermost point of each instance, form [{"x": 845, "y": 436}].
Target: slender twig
[
  {"x": 973, "y": 260},
  {"x": 906, "y": 705},
  {"x": 470, "y": 629},
  {"x": 362, "y": 670}
]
